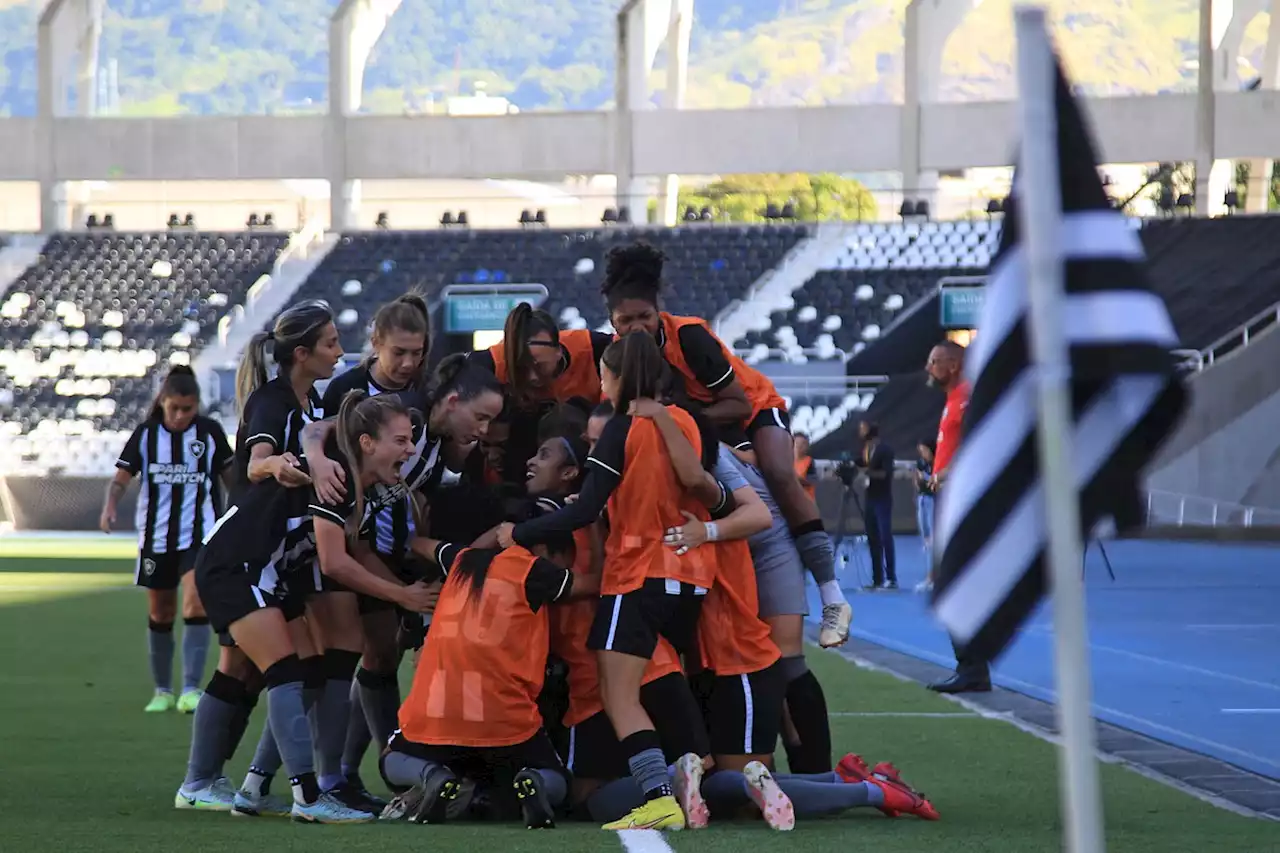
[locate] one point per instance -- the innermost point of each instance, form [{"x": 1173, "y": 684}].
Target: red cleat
[
  {"x": 899, "y": 797},
  {"x": 853, "y": 770}
]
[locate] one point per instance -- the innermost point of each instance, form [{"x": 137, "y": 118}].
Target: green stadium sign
[
  {"x": 960, "y": 305},
  {"x": 482, "y": 308}
]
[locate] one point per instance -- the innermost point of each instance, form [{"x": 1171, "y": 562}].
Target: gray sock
[
  {"x": 380, "y": 702},
  {"x": 818, "y": 799},
  {"x": 332, "y": 714},
  {"x": 405, "y": 770},
  {"x": 358, "y": 738},
  {"x": 195, "y": 651},
  {"x": 649, "y": 769},
  {"x": 725, "y": 791},
  {"x": 818, "y": 556},
  {"x": 288, "y": 721},
  {"x": 266, "y": 758},
  {"x": 210, "y": 731},
  {"x": 160, "y": 646},
  {"x": 826, "y": 778},
  {"x": 553, "y": 785}
]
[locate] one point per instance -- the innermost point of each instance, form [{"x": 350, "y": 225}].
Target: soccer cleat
[
  {"x": 377, "y": 803},
  {"x": 329, "y": 809},
  {"x": 439, "y": 787},
  {"x": 250, "y": 804},
  {"x": 835, "y": 625},
  {"x": 687, "y": 786},
  {"x": 218, "y": 797},
  {"x": 534, "y": 805},
  {"x": 898, "y": 795},
  {"x": 769, "y": 798},
  {"x": 161, "y": 702},
  {"x": 356, "y": 797},
  {"x": 853, "y": 770},
  {"x": 403, "y": 804},
  {"x": 662, "y": 813},
  {"x": 189, "y": 699}
]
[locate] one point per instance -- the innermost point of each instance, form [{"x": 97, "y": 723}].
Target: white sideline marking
[
  {"x": 1260, "y": 626},
  {"x": 955, "y": 715},
  {"x": 1251, "y": 710},
  {"x": 643, "y": 841}
]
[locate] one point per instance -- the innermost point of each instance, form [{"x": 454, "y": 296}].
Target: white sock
[{"x": 831, "y": 593}]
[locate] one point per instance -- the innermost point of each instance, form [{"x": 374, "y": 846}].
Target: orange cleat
[{"x": 853, "y": 769}]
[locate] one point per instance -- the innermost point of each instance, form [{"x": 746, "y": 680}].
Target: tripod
[
  {"x": 849, "y": 499},
  {"x": 1106, "y": 559}
]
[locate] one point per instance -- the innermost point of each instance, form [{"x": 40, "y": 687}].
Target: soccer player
[
  {"x": 740, "y": 400},
  {"x": 181, "y": 457},
  {"x": 473, "y": 707},
  {"x": 260, "y": 547},
  {"x": 400, "y": 341},
  {"x": 647, "y": 591},
  {"x": 538, "y": 365},
  {"x": 305, "y": 348}
]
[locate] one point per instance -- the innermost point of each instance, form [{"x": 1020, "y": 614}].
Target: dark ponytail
[
  {"x": 633, "y": 272},
  {"x": 360, "y": 415},
  {"x": 456, "y": 375},
  {"x": 299, "y": 326},
  {"x": 408, "y": 313},
  {"x": 473, "y": 566},
  {"x": 180, "y": 382},
  {"x": 637, "y": 362},
  {"x": 523, "y": 323}
]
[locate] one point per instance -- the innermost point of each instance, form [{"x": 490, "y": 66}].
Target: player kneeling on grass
[
  {"x": 255, "y": 547},
  {"x": 473, "y": 709}
]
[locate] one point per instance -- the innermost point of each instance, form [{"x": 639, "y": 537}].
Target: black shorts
[
  {"x": 229, "y": 593},
  {"x": 631, "y": 623},
  {"x": 594, "y": 752},
  {"x": 164, "y": 571},
  {"x": 488, "y": 764},
  {"x": 740, "y": 437},
  {"x": 744, "y": 712}
]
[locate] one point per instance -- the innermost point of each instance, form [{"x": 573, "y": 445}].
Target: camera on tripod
[{"x": 846, "y": 469}]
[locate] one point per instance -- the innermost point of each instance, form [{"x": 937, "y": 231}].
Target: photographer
[
  {"x": 877, "y": 461},
  {"x": 924, "y": 504}
]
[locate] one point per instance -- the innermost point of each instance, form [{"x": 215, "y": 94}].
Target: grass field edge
[{"x": 1049, "y": 736}]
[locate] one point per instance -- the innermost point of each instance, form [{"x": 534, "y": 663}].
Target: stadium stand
[
  {"x": 84, "y": 332},
  {"x": 709, "y": 265},
  {"x": 1207, "y": 297}
]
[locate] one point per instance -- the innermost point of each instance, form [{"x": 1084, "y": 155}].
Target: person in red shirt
[{"x": 946, "y": 371}]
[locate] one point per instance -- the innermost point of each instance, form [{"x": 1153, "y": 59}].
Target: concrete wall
[
  {"x": 1136, "y": 129},
  {"x": 1231, "y": 432}
]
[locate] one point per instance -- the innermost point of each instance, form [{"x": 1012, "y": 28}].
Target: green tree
[{"x": 744, "y": 198}]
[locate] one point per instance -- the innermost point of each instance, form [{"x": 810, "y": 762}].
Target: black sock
[{"x": 807, "y": 705}]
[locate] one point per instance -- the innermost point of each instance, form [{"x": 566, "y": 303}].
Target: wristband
[{"x": 713, "y": 531}]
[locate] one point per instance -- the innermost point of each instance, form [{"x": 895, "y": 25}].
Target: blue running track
[{"x": 1185, "y": 643}]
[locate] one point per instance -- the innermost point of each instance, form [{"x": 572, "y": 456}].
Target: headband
[{"x": 568, "y": 448}]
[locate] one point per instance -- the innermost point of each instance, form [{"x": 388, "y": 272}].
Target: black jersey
[
  {"x": 273, "y": 415},
  {"x": 181, "y": 493}
]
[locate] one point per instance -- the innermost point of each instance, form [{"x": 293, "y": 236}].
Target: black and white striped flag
[{"x": 991, "y": 537}]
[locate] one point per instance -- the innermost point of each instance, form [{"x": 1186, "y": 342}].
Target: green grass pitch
[{"x": 82, "y": 768}]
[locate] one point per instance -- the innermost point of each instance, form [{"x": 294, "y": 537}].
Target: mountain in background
[{"x": 238, "y": 57}]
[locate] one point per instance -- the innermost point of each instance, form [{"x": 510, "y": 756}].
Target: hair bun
[
  {"x": 181, "y": 370},
  {"x": 637, "y": 261}
]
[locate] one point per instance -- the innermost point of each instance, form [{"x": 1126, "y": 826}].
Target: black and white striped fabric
[
  {"x": 181, "y": 493},
  {"x": 991, "y": 535}
]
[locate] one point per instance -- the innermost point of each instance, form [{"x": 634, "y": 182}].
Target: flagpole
[{"x": 1039, "y": 209}]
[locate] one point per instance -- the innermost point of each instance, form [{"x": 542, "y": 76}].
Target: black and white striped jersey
[
  {"x": 181, "y": 494},
  {"x": 273, "y": 415}
]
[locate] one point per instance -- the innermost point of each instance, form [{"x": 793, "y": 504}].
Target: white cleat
[
  {"x": 835, "y": 624},
  {"x": 687, "y": 786},
  {"x": 769, "y": 798}
]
